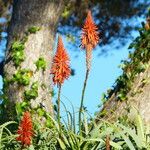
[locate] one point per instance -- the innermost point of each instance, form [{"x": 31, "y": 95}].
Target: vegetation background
[{"x": 30, "y": 30}]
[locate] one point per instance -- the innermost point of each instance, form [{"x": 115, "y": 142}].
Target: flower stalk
[
  {"x": 82, "y": 99},
  {"x": 89, "y": 40},
  {"x": 61, "y": 71},
  {"x": 58, "y": 108}
]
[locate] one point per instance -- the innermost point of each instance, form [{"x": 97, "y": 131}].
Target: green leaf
[
  {"x": 40, "y": 63},
  {"x": 132, "y": 45},
  {"x": 115, "y": 145},
  {"x": 2, "y": 127},
  {"x": 33, "y": 29},
  {"x": 18, "y": 46},
  {"x": 18, "y": 52},
  {"x": 103, "y": 98},
  {"x": 32, "y": 93},
  {"x": 20, "y": 107},
  {"x": 127, "y": 140},
  {"x": 132, "y": 134},
  {"x": 62, "y": 145},
  {"x": 22, "y": 77},
  {"x": 140, "y": 131},
  {"x": 41, "y": 112}
]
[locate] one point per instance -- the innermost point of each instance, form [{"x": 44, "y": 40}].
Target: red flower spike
[
  {"x": 89, "y": 37},
  {"x": 60, "y": 67},
  {"x": 25, "y": 130}
]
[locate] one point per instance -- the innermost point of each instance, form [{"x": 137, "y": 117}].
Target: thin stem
[
  {"x": 58, "y": 112},
  {"x": 82, "y": 98}
]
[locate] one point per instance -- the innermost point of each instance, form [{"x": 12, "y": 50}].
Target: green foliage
[
  {"x": 138, "y": 60},
  {"x": 41, "y": 63},
  {"x": 132, "y": 135},
  {"x": 129, "y": 135},
  {"x": 22, "y": 77},
  {"x": 33, "y": 29},
  {"x": 5, "y": 135},
  {"x": 6, "y": 82},
  {"x": 103, "y": 98},
  {"x": 66, "y": 12},
  {"x": 21, "y": 107},
  {"x": 40, "y": 112},
  {"x": 32, "y": 93},
  {"x": 17, "y": 47},
  {"x": 103, "y": 113},
  {"x": 136, "y": 136},
  {"x": 44, "y": 138},
  {"x": 18, "y": 52},
  {"x": 88, "y": 140}
]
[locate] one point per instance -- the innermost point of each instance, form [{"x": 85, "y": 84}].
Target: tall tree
[{"x": 31, "y": 37}]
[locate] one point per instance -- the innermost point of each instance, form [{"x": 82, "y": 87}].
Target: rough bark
[
  {"x": 138, "y": 98},
  {"x": 26, "y": 13}
]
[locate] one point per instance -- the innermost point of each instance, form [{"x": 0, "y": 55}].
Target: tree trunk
[
  {"x": 134, "y": 85},
  {"x": 138, "y": 98},
  {"x": 34, "y": 24}
]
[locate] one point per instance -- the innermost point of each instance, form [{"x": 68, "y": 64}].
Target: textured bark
[
  {"x": 138, "y": 98},
  {"x": 26, "y": 13}
]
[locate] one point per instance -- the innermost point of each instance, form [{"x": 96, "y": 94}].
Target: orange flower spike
[
  {"x": 90, "y": 35},
  {"x": 25, "y": 130},
  {"x": 60, "y": 67},
  {"x": 89, "y": 38}
]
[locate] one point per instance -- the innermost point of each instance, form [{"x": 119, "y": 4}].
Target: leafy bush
[{"x": 132, "y": 136}]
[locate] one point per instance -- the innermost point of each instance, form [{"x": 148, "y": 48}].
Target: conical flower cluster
[
  {"x": 60, "y": 67},
  {"x": 25, "y": 130},
  {"x": 89, "y": 37}
]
